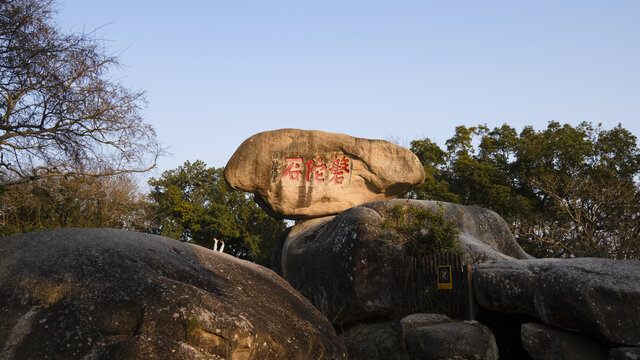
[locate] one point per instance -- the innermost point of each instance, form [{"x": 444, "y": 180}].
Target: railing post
[{"x": 472, "y": 315}]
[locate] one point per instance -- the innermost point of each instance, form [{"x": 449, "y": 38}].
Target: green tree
[
  {"x": 567, "y": 191},
  {"x": 194, "y": 203},
  {"x": 60, "y": 113},
  {"x": 583, "y": 181},
  {"x": 464, "y": 175},
  {"x": 436, "y": 183}
]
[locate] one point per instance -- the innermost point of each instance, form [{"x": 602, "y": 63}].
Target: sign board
[{"x": 445, "y": 282}]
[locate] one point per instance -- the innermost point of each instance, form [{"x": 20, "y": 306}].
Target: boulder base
[
  {"x": 113, "y": 294},
  {"x": 414, "y": 321},
  {"x": 374, "y": 341},
  {"x": 452, "y": 340},
  {"x": 598, "y": 297},
  {"x": 624, "y": 353},
  {"x": 543, "y": 342},
  {"x": 301, "y": 174},
  {"x": 345, "y": 264}
]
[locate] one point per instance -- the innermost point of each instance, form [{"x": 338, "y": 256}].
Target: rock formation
[
  {"x": 299, "y": 174},
  {"x": 373, "y": 341},
  {"x": 624, "y": 353},
  {"x": 452, "y": 340},
  {"x": 113, "y": 294},
  {"x": 344, "y": 264},
  {"x": 597, "y": 297},
  {"x": 419, "y": 320},
  {"x": 420, "y": 336},
  {"x": 544, "y": 342}
]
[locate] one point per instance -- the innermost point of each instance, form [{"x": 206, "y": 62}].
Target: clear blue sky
[{"x": 217, "y": 72}]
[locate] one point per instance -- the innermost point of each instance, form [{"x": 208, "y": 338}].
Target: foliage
[
  {"x": 567, "y": 191},
  {"x": 193, "y": 203},
  {"x": 435, "y": 184},
  {"x": 60, "y": 113},
  {"x": 104, "y": 202},
  {"x": 424, "y": 231},
  {"x": 191, "y": 324}
]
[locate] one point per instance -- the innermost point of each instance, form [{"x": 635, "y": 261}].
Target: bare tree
[{"x": 60, "y": 114}]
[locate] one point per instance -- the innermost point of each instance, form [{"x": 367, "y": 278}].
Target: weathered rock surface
[
  {"x": 414, "y": 321},
  {"x": 113, "y": 294},
  {"x": 375, "y": 341},
  {"x": 420, "y": 336},
  {"x": 543, "y": 342},
  {"x": 300, "y": 174},
  {"x": 598, "y": 297},
  {"x": 625, "y": 353},
  {"x": 452, "y": 340},
  {"x": 345, "y": 264}
]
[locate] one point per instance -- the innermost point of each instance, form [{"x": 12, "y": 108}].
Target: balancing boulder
[{"x": 299, "y": 174}]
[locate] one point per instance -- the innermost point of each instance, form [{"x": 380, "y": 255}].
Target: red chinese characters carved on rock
[
  {"x": 316, "y": 170},
  {"x": 317, "y": 167},
  {"x": 293, "y": 168},
  {"x": 338, "y": 168}
]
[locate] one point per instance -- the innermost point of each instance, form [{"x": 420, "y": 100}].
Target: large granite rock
[
  {"x": 299, "y": 174},
  {"x": 420, "y": 336},
  {"x": 345, "y": 264},
  {"x": 452, "y": 340},
  {"x": 598, "y": 297},
  {"x": 626, "y": 353},
  {"x": 113, "y": 294},
  {"x": 414, "y": 321},
  {"x": 372, "y": 341},
  {"x": 544, "y": 342}
]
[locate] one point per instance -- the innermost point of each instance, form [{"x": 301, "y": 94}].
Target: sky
[{"x": 216, "y": 72}]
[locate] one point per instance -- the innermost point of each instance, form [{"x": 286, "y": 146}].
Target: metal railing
[{"x": 436, "y": 283}]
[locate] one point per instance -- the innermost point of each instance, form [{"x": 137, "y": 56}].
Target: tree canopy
[
  {"x": 60, "y": 113},
  {"x": 567, "y": 191},
  {"x": 50, "y": 203},
  {"x": 194, "y": 203}
]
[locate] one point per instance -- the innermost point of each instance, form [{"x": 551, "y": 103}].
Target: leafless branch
[{"x": 60, "y": 114}]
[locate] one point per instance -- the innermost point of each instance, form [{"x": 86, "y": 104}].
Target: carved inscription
[
  {"x": 274, "y": 167},
  {"x": 317, "y": 170}
]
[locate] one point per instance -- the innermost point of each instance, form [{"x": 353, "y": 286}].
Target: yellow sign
[{"x": 445, "y": 281}]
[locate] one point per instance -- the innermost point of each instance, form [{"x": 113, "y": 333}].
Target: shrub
[{"x": 423, "y": 231}]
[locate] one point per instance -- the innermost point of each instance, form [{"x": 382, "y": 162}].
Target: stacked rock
[{"x": 302, "y": 174}]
